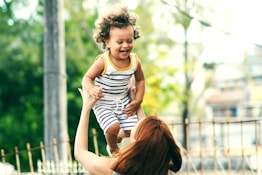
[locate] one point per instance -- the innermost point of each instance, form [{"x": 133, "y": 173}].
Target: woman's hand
[
  {"x": 87, "y": 100},
  {"x": 96, "y": 92}
]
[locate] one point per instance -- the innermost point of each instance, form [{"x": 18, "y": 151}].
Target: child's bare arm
[
  {"x": 139, "y": 92},
  {"x": 140, "y": 84},
  {"x": 87, "y": 81}
]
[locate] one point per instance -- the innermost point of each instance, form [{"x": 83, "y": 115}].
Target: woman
[{"x": 152, "y": 151}]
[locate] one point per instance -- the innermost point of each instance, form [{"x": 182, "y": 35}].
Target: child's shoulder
[
  {"x": 100, "y": 56},
  {"x": 103, "y": 56},
  {"x": 100, "y": 60}
]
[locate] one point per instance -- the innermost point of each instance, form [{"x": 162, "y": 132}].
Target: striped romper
[{"x": 115, "y": 81}]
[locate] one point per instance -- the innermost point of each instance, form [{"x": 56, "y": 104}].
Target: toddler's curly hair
[{"x": 115, "y": 16}]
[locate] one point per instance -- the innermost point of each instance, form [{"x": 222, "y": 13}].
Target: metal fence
[
  {"x": 217, "y": 146},
  {"x": 221, "y": 145}
]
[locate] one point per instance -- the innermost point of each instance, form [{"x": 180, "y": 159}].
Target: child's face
[{"x": 121, "y": 41}]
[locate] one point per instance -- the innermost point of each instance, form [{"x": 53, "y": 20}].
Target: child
[{"x": 112, "y": 72}]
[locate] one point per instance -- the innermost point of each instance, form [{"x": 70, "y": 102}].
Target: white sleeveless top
[{"x": 115, "y": 80}]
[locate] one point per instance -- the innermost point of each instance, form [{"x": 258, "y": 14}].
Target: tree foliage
[
  {"x": 20, "y": 80},
  {"x": 21, "y": 74},
  {"x": 21, "y": 68},
  {"x": 160, "y": 86}
]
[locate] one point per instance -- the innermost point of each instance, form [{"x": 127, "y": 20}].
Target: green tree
[
  {"x": 21, "y": 69},
  {"x": 20, "y": 81},
  {"x": 21, "y": 77}
]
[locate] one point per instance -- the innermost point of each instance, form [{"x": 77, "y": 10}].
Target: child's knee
[
  {"x": 113, "y": 129},
  {"x": 127, "y": 133}
]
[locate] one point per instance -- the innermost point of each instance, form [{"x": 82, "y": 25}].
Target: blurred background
[{"x": 202, "y": 61}]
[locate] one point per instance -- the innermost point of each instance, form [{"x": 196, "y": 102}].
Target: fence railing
[
  {"x": 217, "y": 146},
  {"x": 43, "y": 166},
  {"x": 221, "y": 145}
]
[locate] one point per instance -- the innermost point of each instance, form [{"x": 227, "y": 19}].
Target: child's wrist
[{"x": 138, "y": 101}]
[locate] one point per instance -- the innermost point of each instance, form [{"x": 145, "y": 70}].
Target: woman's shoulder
[{"x": 100, "y": 165}]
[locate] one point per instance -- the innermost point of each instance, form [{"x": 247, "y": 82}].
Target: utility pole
[{"x": 55, "y": 101}]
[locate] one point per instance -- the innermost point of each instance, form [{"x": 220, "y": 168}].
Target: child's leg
[
  {"x": 123, "y": 138},
  {"x": 121, "y": 135},
  {"x": 111, "y": 137}
]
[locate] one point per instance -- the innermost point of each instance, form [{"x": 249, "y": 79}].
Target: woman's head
[
  {"x": 116, "y": 16},
  {"x": 153, "y": 152}
]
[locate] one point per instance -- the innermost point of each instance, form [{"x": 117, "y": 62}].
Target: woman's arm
[{"x": 90, "y": 161}]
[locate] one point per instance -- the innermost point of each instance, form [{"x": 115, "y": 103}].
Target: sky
[
  {"x": 243, "y": 17},
  {"x": 242, "y": 20},
  {"x": 246, "y": 20}
]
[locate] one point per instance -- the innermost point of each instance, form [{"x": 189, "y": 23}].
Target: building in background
[
  {"x": 237, "y": 87},
  {"x": 236, "y": 94}
]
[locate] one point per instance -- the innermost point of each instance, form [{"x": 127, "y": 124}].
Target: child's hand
[
  {"x": 96, "y": 92},
  {"x": 132, "y": 108}
]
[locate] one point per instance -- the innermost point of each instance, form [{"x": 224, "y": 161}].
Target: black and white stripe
[{"x": 115, "y": 81}]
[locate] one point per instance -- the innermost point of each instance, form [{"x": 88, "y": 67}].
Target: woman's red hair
[{"x": 153, "y": 153}]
